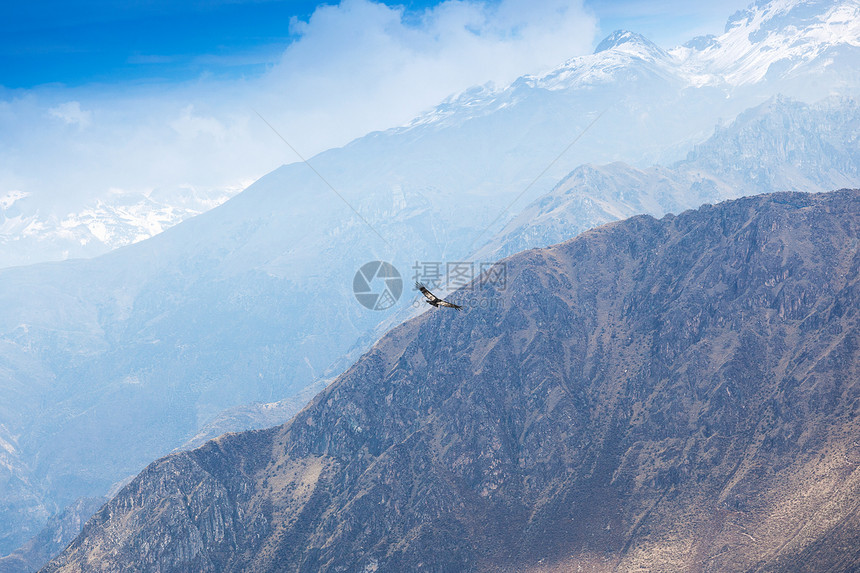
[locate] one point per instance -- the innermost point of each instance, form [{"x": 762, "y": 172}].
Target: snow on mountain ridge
[
  {"x": 791, "y": 31},
  {"x": 12, "y": 197},
  {"x": 107, "y": 225},
  {"x": 795, "y": 31},
  {"x": 625, "y": 40},
  {"x": 478, "y": 97},
  {"x": 621, "y": 50}
]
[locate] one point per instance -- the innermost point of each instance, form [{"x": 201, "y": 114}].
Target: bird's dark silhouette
[{"x": 434, "y": 300}]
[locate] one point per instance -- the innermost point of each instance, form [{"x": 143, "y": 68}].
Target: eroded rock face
[{"x": 678, "y": 394}]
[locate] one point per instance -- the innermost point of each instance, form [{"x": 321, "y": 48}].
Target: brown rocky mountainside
[{"x": 667, "y": 395}]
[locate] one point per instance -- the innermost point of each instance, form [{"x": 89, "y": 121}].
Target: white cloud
[
  {"x": 71, "y": 113},
  {"x": 361, "y": 66},
  {"x": 190, "y": 125},
  {"x": 354, "y": 67}
]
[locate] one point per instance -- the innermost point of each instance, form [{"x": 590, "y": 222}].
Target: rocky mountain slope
[{"x": 673, "y": 395}]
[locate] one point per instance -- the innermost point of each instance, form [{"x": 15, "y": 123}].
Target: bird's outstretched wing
[
  {"x": 427, "y": 294},
  {"x": 451, "y": 304},
  {"x": 435, "y": 300}
]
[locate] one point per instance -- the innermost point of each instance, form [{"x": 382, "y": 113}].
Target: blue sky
[
  {"x": 80, "y": 42},
  {"x": 46, "y": 41},
  {"x": 76, "y": 42}
]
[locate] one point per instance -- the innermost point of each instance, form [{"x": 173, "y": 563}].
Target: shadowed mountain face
[{"x": 674, "y": 394}]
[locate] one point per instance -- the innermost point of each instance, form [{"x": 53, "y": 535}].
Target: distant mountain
[
  {"x": 668, "y": 395},
  {"x": 781, "y": 145},
  {"x": 254, "y": 416},
  {"x": 109, "y": 363},
  {"x": 22, "y": 496},
  {"x": 785, "y": 145},
  {"x": 660, "y": 102},
  {"x": 27, "y": 236},
  {"x": 60, "y": 530},
  {"x": 807, "y": 46}
]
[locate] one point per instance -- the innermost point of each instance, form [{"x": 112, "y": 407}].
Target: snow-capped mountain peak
[
  {"x": 627, "y": 41},
  {"x": 774, "y": 38},
  {"x": 620, "y": 51},
  {"x": 120, "y": 219}
]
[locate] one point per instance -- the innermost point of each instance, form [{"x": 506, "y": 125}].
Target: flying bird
[{"x": 433, "y": 299}]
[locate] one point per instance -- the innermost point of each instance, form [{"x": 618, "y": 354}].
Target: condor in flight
[{"x": 433, "y": 299}]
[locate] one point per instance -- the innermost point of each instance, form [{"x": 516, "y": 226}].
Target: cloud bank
[{"x": 352, "y": 68}]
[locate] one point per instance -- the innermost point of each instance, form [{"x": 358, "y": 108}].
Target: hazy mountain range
[
  {"x": 668, "y": 395},
  {"x": 659, "y": 103},
  {"x": 781, "y": 144},
  {"x": 109, "y": 363}
]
